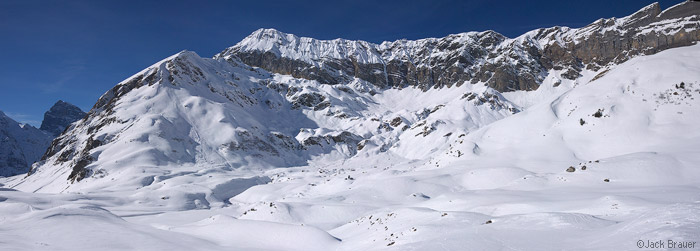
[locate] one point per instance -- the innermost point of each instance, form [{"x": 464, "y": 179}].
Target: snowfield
[{"x": 210, "y": 161}]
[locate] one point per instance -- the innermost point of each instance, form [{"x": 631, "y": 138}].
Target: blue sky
[{"x": 77, "y": 50}]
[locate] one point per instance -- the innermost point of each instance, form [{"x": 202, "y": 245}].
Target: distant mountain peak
[{"x": 59, "y": 116}]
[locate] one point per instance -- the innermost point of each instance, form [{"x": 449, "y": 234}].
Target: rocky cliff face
[
  {"x": 502, "y": 63},
  {"x": 60, "y": 116},
  {"x": 613, "y": 40}
]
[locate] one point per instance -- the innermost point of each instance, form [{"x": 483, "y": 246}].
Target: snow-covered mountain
[
  {"x": 20, "y": 146},
  {"x": 502, "y": 63},
  {"x": 222, "y": 114},
  {"x": 59, "y": 116},
  {"x": 555, "y": 138}
]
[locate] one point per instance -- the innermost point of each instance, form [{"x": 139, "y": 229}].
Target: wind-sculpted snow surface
[{"x": 213, "y": 154}]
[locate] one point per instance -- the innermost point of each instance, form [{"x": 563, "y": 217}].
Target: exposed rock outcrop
[
  {"x": 614, "y": 40},
  {"x": 60, "y": 116},
  {"x": 504, "y": 64}
]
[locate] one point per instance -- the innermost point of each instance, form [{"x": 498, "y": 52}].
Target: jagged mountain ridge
[
  {"x": 504, "y": 64},
  {"x": 222, "y": 113}
]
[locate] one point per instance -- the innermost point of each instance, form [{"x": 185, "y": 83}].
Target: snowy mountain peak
[
  {"x": 305, "y": 49},
  {"x": 472, "y": 57},
  {"x": 187, "y": 110},
  {"x": 221, "y": 113}
]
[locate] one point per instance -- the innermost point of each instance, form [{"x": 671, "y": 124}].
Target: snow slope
[
  {"x": 187, "y": 114},
  {"x": 557, "y": 139},
  {"x": 488, "y": 172},
  {"x": 20, "y": 146}
]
